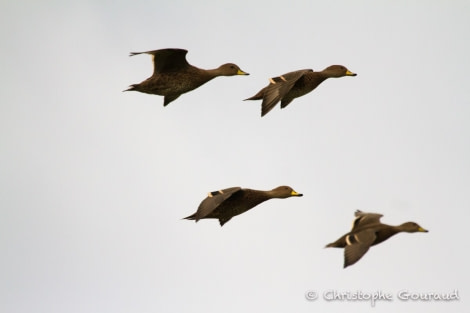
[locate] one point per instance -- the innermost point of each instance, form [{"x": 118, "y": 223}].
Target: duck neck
[
  {"x": 213, "y": 73},
  {"x": 393, "y": 230},
  {"x": 324, "y": 75},
  {"x": 261, "y": 199},
  {"x": 272, "y": 194},
  {"x": 386, "y": 233}
]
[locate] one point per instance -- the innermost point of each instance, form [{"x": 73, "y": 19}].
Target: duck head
[
  {"x": 285, "y": 192},
  {"x": 412, "y": 227},
  {"x": 338, "y": 71},
  {"x": 230, "y": 69}
]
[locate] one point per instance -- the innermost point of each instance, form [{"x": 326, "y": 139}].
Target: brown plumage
[
  {"x": 368, "y": 231},
  {"x": 173, "y": 75},
  {"x": 287, "y": 87},
  {"x": 227, "y": 203}
]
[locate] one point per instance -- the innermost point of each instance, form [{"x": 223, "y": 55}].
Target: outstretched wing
[
  {"x": 365, "y": 219},
  {"x": 167, "y": 60},
  {"x": 214, "y": 199},
  {"x": 357, "y": 245},
  {"x": 278, "y": 88}
]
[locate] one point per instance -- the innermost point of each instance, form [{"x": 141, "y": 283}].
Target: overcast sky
[{"x": 94, "y": 182}]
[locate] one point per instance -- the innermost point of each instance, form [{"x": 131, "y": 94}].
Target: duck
[
  {"x": 227, "y": 203},
  {"x": 173, "y": 75},
  {"x": 368, "y": 231},
  {"x": 289, "y": 86}
]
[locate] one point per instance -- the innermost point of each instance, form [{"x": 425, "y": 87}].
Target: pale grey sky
[{"x": 94, "y": 182}]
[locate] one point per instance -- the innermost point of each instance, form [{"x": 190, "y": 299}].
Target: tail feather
[
  {"x": 258, "y": 96},
  {"x": 131, "y": 88},
  {"x": 340, "y": 243},
  {"x": 191, "y": 217}
]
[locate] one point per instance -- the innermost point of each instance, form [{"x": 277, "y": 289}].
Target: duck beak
[
  {"x": 421, "y": 229},
  {"x": 296, "y": 194},
  {"x": 349, "y": 73},
  {"x": 240, "y": 72}
]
